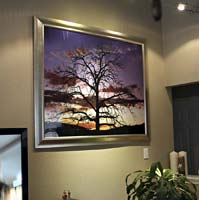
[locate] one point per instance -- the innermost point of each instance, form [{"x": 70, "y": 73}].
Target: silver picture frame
[{"x": 42, "y": 24}]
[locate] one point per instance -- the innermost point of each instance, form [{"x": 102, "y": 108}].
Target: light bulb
[{"x": 181, "y": 7}]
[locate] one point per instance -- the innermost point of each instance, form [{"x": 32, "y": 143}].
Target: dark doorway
[{"x": 186, "y": 123}]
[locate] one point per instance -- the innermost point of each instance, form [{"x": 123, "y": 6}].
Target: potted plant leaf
[{"x": 157, "y": 183}]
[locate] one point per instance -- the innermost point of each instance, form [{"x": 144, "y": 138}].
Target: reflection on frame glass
[{"x": 89, "y": 86}]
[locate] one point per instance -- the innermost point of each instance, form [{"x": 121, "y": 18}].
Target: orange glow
[
  {"x": 89, "y": 125},
  {"x": 104, "y": 127}
]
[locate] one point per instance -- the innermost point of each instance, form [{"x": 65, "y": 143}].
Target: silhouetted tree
[{"x": 89, "y": 74}]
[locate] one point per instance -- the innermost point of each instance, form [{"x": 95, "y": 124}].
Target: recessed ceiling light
[{"x": 181, "y": 7}]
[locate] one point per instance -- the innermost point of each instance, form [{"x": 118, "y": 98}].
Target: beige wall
[
  {"x": 89, "y": 174},
  {"x": 181, "y": 46}
]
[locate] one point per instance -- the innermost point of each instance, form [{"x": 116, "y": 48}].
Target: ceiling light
[{"x": 181, "y": 7}]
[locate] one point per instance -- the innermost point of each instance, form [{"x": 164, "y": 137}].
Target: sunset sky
[{"x": 58, "y": 42}]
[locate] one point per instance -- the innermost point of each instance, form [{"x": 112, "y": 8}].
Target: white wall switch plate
[{"x": 146, "y": 153}]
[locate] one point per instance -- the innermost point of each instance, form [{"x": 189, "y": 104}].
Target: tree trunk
[{"x": 97, "y": 123}]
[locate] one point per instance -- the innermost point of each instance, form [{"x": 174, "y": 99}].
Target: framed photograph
[{"x": 89, "y": 86}]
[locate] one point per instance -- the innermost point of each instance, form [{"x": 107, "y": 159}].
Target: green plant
[{"x": 157, "y": 183}]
